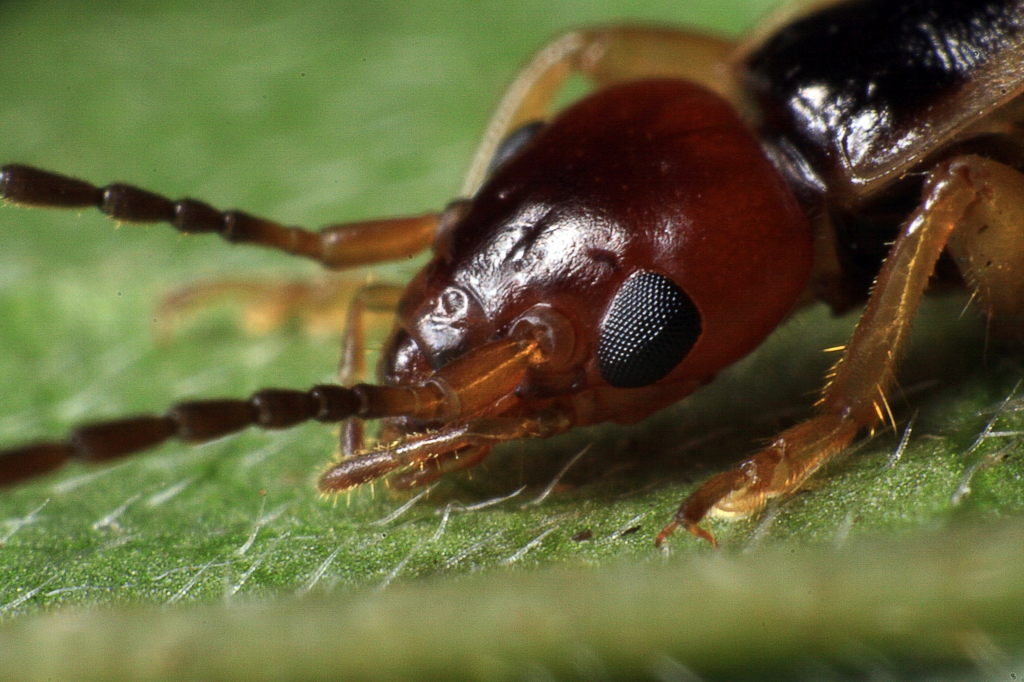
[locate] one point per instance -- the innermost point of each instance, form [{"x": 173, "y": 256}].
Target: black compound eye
[
  {"x": 650, "y": 327},
  {"x": 512, "y": 144}
]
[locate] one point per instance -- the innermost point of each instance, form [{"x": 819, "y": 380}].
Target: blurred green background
[{"x": 319, "y": 113}]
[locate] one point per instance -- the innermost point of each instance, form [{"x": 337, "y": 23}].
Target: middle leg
[{"x": 320, "y": 305}]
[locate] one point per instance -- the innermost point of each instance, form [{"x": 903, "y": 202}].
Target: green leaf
[
  {"x": 330, "y": 113},
  {"x": 848, "y": 614}
]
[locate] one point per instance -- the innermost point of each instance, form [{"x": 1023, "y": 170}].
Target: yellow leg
[
  {"x": 604, "y": 55},
  {"x": 321, "y": 305},
  {"x": 964, "y": 196},
  {"x": 990, "y": 249},
  {"x": 369, "y": 299}
]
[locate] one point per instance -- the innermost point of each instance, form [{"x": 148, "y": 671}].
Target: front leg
[{"x": 968, "y": 194}]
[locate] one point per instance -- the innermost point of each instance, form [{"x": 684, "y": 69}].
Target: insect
[{"x": 607, "y": 260}]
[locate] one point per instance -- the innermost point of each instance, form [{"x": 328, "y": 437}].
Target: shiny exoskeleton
[{"x": 612, "y": 258}]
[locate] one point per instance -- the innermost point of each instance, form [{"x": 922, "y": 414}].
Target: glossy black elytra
[{"x": 613, "y": 258}]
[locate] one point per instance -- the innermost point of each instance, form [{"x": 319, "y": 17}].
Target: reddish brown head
[{"x": 642, "y": 231}]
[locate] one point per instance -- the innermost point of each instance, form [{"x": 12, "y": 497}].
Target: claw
[
  {"x": 702, "y": 533},
  {"x": 693, "y": 528},
  {"x": 669, "y": 528}
]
